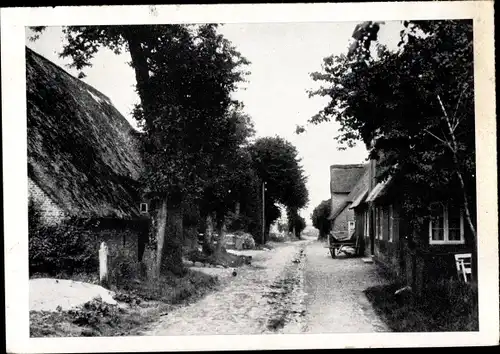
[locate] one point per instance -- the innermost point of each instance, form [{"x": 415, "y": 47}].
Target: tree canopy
[
  {"x": 320, "y": 219},
  {"x": 413, "y": 108},
  {"x": 276, "y": 163}
]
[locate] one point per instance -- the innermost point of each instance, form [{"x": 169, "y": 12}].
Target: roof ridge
[
  {"x": 88, "y": 86},
  {"x": 348, "y": 165}
]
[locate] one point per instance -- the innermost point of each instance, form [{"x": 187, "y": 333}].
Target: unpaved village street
[
  {"x": 294, "y": 288},
  {"x": 335, "y": 299}
]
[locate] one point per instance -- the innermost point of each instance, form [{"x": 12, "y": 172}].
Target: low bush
[
  {"x": 94, "y": 312},
  {"x": 277, "y": 237},
  {"x": 61, "y": 248},
  {"x": 248, "y": 241}
]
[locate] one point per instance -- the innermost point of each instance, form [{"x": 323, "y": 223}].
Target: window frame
[
  {"x": 379, "y": 228},
  {"x": 145, "y": 210},
  {"x": 390, "y": 218},
  {"x": 446, "y": 230},
  {"x": 351, "y": 225},
  {"x": 367, "y": 223}
]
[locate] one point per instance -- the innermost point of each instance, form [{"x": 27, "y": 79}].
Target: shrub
[
  {"x": 61, "y": 248},
  {"x": 94, "y": 312},
  {"x": 276, "y": 237},
  {"x": 122, "y": 270},
  {"x": 238, "y": 222},
  {"x": 248, "y": 242}
]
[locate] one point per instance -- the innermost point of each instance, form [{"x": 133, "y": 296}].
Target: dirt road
[
  {"x": 335, "y": 299},
  {"x": 294, "y": 288},
  {"x": 261, "y": 298}
]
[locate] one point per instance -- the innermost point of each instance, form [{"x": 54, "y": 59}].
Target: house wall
[
  {"x": 388, "y": 253},
  {"x": 359, "y": 220},
  {"x": 341, "y": 223},
  {"x": 127, "y": 242},
  {"x": 427, "y": 265},
  {"x": 338, "y": 199},
  {"x": 410, "y": 258},
  {"x": 418, "y": 264},
  {"x": 362, "y": 220},
  {"x": 50, "y": 213},
  {"x": 128, "y": 250}
]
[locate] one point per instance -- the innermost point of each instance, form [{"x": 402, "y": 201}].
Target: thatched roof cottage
[
  {"x": 343, "y": 179},
  {"x": 83, "y": 155}
]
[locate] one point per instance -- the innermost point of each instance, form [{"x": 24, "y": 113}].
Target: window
[
  {"x": 455, "y": 224},
  {"x": 367, "y": 223},
  {"x": 378, "y": 222},
  {"x": 446, "y": 225},
  {"x": 390, "y": 223},
  {"x": 350, "y": 227},
  {"x": 144, "y": 208},
  {"x": 381, "y": 222},
  {"x": 393, "y": 223}
]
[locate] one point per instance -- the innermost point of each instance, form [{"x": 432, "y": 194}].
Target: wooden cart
[{"x": 337, "y": 246}]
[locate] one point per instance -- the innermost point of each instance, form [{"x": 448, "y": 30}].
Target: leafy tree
[
  {"x": 277, "y": 164},
  {"x": 232, "y": 174},
  {"x": 320, "y": 219},
  {"x": 184, "y": 78},
  {"x": 413, "y": 108},
  {"x": 296, "y": 223}
]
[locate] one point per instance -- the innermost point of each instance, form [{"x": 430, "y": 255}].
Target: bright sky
[{"x": 282, "y": 56}]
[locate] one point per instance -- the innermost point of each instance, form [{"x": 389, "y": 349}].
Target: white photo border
[{"x": 13, "y": 23}]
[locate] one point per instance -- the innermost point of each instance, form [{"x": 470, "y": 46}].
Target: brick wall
[
  {"x": 123, "y": 246},
  {"x": 341, "y": 222},
  {"x": 50, "y": 213}
]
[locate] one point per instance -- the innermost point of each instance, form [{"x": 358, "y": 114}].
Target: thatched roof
[
  {"x": 344, "y": 177},
  {"x": 361, "y": 189},
  {"x": 336, "y": 212},
  {"x": 352, "y": 179},
  {"x": 81, "y": 151},
  {"x": 380, "y": 190}
]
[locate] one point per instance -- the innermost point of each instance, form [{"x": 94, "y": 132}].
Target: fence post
[{"x": 103, "y": 265}]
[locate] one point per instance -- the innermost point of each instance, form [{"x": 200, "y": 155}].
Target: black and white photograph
[{"x": 183, "y": 174}]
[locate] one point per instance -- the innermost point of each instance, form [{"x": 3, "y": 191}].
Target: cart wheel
[{"x": 332, "y": 252}]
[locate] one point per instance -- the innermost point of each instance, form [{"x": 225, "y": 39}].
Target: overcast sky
[{"x": 282, "y": 56}]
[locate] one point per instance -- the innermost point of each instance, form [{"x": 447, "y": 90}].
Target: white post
[{"x": 103, "y": 264}]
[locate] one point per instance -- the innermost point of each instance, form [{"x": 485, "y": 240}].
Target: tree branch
[
  {"x": 456, "y": 125},
  {"x": 458, "y": 103},
  {"x": 444, "y": 141},
  {"x": 442, "y": 108}
]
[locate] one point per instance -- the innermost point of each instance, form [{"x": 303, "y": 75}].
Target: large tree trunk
[
  {"x": 208, "y": 236},
  {"x": 220, "y": 234},
  {"x": 160, "y": 227},
  {"x": 266, "y": 233},
  {"x": 139, "y": 63},
  {"x": 172, "y": 246}
]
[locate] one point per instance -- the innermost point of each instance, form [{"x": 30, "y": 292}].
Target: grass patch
[
  {"x": 448, "y": 308},
  {"x": 92, "y": 278},
  {"x": 171, "y": 289},
  {"x": 223, "y": 258},
  {"x": 142, "y": 303}
]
